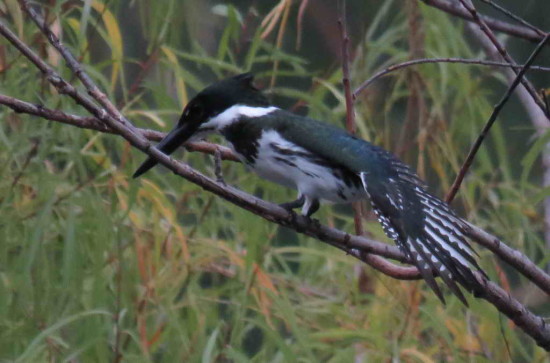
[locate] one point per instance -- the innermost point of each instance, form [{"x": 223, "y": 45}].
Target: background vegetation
[{"x": 95, "y": 266}]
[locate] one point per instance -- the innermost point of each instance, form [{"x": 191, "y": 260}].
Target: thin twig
[
  {"x": 511, "y": 256},
  {"x": 530, "y": 323},
  {"x": 514, "y": 258},
  {"x": 342, "y": 23},
  {"x": 477, "y": 144},
  {"x": 75, "y": 66},
  {"x": 536, "y": 116},
  {"x": 350, "y": 112},
  {"x": 299, "y": 23},
  {"x": 544, "y": 97},
  {"x": 468, "y": 5},
  {"x": 144, "y": 68},
  {"x": 513, "y": 16},
  {"x": 31, "y": 154},
  {"x": 453, "y": 8},
  {"x": 414, "y": 62},
  {"x": 93, "y": 123},
  {"x": 507, "y": 254}
]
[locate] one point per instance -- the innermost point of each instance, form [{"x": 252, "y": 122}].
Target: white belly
[{"x": 292, "y": 166}]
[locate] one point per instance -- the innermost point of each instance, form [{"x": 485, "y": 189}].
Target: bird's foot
[
  {"x": 312, "y": 221},
  {"x": 293, "y": 218},
  {"x": 294, "y": 204}
]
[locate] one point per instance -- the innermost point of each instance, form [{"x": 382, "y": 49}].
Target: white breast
[{"x": 288, "y": 164}]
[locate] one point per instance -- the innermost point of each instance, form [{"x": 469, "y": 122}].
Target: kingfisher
[{"x": 325, "y": 163}]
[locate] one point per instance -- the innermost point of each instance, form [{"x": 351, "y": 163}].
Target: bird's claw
[{"x": 313, "y": 221}]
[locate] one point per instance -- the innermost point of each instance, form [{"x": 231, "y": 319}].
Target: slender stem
[
  {"x": 93, "y": 123},
  {"x": 452, "y": 7},
  {"x": 512, "y": 257},
  {"x": 468, "y": 5},
  {"x": 530, "y": 323},
  {"x": 75, "y": 66},
  {"x": 342, "y": 23},
  {"x": 414, "y": 62},
  {"x": 477, "y": 144},
  {"x": 515, "y": 17},
  {"x": 350, "y": 112}
]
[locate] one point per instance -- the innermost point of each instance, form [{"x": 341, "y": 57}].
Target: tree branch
[
  {"x": 477, "y": 144},
  {"x": 351, "y": 127},
  {"x": 75, "y": 66},
  {"x": 468, "y": 5},
  {"x": 92, "y": 123},
  {"x": 530, "y": 323},
  {"x": 453, "y": 8},
  {"x": 513, "y": 257},
  {"x": 478, "y": 62},
  {"x": 514, "y": 17},
  {"x": 537, "y": 118}
]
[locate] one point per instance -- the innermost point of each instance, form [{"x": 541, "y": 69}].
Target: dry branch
[
  {"x": 453, "y": 7},
  {"x": 114, "y": 121},
  {"x": 414, "y": 62},
  {"x": 513, "y": 257},
  {"x": 477, "y": 144},
  {"x": 469, "y": 6}
]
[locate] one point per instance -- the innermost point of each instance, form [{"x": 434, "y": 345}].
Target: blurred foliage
[{"x": 155, "y": 269}]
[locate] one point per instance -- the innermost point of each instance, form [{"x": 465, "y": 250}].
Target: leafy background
[{"x": 95, "y": 266}]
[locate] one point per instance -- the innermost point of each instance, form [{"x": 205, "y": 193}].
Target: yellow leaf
[
  {"x": 152, "y": 192},
  {"x": 75, "y": 25},
  {"x": 416, "y": 354},
  {"x": 114, "y": 41},
  {"x": 183, "y": 240},
  {"x": 153, "y": 116},
  {"x": 263, "y": 279},
  {"x": 461, "y": 336},
  {"x": 14, "y": 11},
  {"x": 180, "y": 84}
]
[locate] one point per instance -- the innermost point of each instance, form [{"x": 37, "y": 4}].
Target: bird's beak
[{"x": 177, "y": 137}]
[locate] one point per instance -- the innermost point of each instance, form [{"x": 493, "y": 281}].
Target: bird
[{"x": 326, "y": 163}]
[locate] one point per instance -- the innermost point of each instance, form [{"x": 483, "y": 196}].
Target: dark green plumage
[
  {"x": 324, "y": 162},
  {"x": 394, "y": 189}
]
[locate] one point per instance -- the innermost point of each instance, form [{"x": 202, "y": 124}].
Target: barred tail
[{"x": 427, "y": 231}]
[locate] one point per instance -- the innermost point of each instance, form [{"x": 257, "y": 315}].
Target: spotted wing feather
[{"x": 423, "y": 226}]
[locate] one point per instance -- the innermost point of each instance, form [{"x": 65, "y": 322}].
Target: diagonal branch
[
  {"x": 530, "y": 323},
  {"x": 350, "y": 112},
  {"x": 477, "y": 144},
  {"x": 513, "y": 257},
  {"x": 468, "y": 5},
  {"x": 515, "y": 17},
  {"x": 75, "y": 66},
  {"x": 478, "y": 62},
  {"x": 538, "y": 120},
  {"x": 362, "y": 248},
  {"x": 452, "y": 7},
  {"x": 92, "y": 123}
]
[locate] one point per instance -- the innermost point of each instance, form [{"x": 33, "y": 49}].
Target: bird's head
[{"x": 213, "y": 108}]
